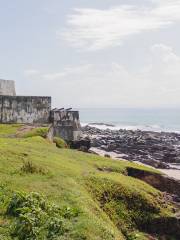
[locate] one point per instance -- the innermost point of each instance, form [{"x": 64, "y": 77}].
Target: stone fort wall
[
  {"x": 66, "y": 124},
  {"x": 37, "y": 110},
  {"x": 7, "y": 87},
  {"x": 24, "y": 109}
]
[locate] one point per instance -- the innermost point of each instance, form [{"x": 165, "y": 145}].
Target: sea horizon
[{"x": 146, "y": 119}]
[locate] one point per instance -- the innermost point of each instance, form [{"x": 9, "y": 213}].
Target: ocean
[{"x": 132, "y": 119}]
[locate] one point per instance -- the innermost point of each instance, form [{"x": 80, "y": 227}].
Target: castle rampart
[
  {"x": 24, "y": 109},
  {"x": 65, "y": 123}
]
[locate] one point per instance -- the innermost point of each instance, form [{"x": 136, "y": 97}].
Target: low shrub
[
  {"x": 36, "y": 218},
  {"x": 30, "y": 167},
  {"x": 5, "y": 195},
  {"x": 60, "y": 143},
  {"x": 42, "y": 132}
]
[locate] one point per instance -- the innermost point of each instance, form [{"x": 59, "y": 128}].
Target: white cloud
[
  {"x": 165, "y": 67},
  {"x": 31, "y": 72},
  {"x": 94, "y": 29},
  {"x": 166, "y": 54},
  {"x": 66, "y": 72},
  {"x": 153, "y": 85}
]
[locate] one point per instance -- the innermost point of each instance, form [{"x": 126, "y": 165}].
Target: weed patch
[
  {"x": 36, "y": 218},
  {"x": 31, "y": 168},
  {"x": 60, "y": 143}
]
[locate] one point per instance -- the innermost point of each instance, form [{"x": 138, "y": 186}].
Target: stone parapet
[
  {"x": 66, "y": 124},
  {"x": 24, "y": 109}
]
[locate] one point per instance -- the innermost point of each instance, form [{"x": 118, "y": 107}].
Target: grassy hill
[{"x": 81, "y": 196}]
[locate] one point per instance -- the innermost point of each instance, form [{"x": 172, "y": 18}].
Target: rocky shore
[{"x": 157, "y": 149}]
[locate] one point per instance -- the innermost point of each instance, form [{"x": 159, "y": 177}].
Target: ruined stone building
[{"x": 37, "y": 110}]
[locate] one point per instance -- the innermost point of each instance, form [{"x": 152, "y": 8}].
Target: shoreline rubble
[{"x": 156, "y": 149}]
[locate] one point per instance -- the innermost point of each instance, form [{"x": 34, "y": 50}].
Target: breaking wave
[{"x": 153, "y": 128}]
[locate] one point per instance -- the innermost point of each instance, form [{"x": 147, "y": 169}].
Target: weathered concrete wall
[
  {"x": 7, "y": 87},
  {"x": 65, "y": 118},
  {"x": 65, "y": 132},
  {"x": 66, "y": 124},
  {"x": 22, "y": 109}
]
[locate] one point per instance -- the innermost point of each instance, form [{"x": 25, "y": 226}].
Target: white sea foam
[{"x": 153, "y": 128}]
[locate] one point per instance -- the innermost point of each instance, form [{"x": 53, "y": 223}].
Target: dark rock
[
  {"x": 157, "y": 149},
  {"x": 83, "y": 144}
]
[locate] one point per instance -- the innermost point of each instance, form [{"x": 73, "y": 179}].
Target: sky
[{"x": 98, "y": 53}]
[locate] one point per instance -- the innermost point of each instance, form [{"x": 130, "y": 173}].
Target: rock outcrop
[{"x": 158, "y": 149}]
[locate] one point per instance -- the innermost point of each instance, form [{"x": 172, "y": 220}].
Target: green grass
[
  {"x": 8, "y": 130},
  {"x": 41, "y": 131},
  {"x": 112, "y": 205},
  {"x": 60, "y": 143}
]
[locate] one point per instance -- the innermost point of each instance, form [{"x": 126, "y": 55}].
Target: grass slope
[
  {"x": 112, "y": 205},
  {"x": 9, "y": 130}
]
